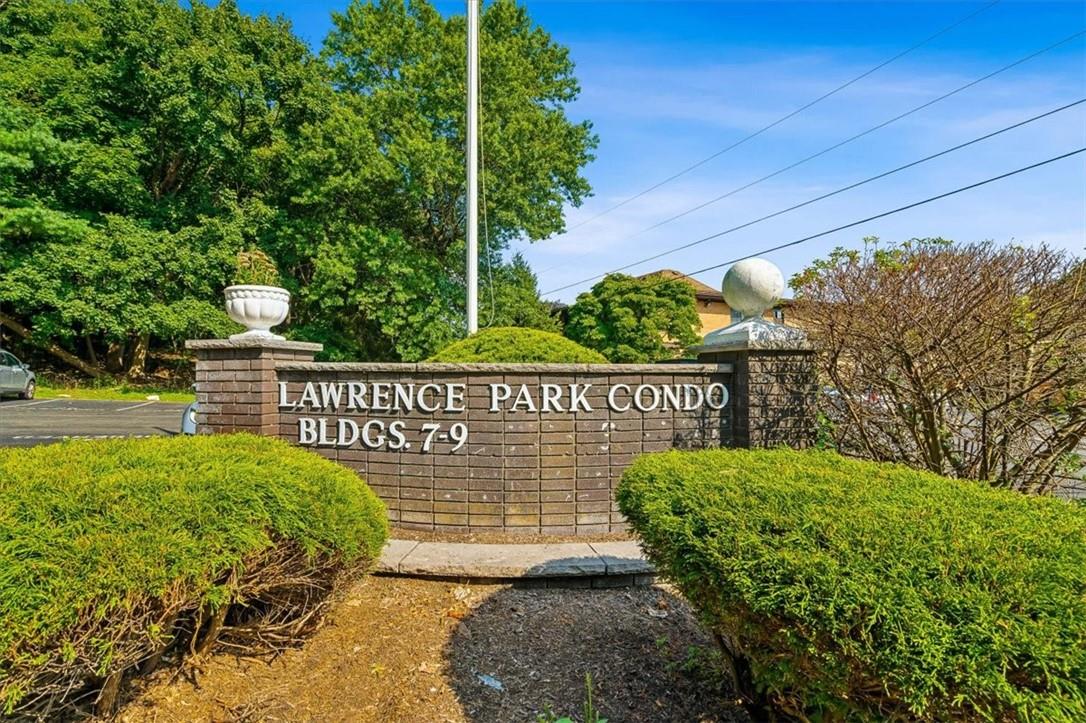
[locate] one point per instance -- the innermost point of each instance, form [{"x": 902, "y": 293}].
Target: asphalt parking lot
[{"x": 41, "y": 421}]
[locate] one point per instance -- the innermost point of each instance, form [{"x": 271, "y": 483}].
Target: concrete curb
[{"x": 583, "y": 564}]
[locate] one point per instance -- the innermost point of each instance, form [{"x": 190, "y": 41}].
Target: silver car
[
  {"x": 16, "y": 377},
  {"x": 188, "y": 417}
]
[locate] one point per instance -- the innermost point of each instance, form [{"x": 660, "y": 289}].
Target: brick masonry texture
[
  {"x": 519, "y": 471},
  {"x": 774, "y": 396}
]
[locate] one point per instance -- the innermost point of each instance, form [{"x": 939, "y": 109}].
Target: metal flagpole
[{"x": 473, "y": 166}]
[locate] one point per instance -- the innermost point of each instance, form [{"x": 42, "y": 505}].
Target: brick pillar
[
  {"x": 774, "y": 395},
  {"x": 775, "y": 384},
  {"x": 236, "y": 382}
]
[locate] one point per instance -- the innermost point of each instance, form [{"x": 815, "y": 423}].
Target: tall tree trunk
[
  {"x": 54, "y": 349},
  {"x": 115, "y": 357},
  {"x": 91, "y": 354},
  {"x": 139, "y": 356}
]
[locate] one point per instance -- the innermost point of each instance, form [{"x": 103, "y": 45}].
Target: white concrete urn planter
[{"x": 257, "y": 308}]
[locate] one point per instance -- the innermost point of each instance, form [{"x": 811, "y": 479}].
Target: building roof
[{"x": 703, "y": 292}]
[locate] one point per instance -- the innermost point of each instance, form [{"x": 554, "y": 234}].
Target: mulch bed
[{"x": 399, "y": 649}]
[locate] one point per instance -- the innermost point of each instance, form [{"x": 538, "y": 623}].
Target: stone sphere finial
[{"x": 752, "y": 286}]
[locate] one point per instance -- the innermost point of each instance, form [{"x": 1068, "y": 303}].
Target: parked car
[
  {"x": 188, "y": 418},
  {"x": 16, "y": 377}
]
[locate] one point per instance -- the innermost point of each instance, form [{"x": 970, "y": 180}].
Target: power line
[
  {"x": 841, "y": 190},
  {"x": 788, "y": 116},
  {"x": 856, "y": 137},
  {"x": 884, "y": 214},
  {"x": 896, "y": 118},
  {"x": 877, "y": 216}
]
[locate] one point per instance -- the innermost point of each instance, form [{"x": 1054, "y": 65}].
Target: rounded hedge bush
[
  {"x": 854, "y": 590},
  {"x": 113, "y": 551},
  {"x": 512, "y": 345}
]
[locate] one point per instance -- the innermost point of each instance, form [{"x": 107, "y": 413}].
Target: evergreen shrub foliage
[
  {"x": 511, "y": 345},
  {"x": 851, "y": 590},
  {"x": 112, "y": 552}
]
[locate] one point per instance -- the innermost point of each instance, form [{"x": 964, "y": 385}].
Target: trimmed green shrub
[
  {"x": 113, "y": 551},
  {"x": 854, "y": 590},
  {"x": 512, "y": 345}
]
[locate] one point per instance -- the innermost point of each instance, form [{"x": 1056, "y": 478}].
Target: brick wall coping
[
  {"x": 442, "y": 367},
  {"x": 253, "y": 343},
  {"x": 757, "y": 345}
]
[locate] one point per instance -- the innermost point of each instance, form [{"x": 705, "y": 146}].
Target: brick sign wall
[
  {"x": 539, "y": 450},
  {"x": 513, "y": 448}
]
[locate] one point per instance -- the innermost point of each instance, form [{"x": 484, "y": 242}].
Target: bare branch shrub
[
  {"x": 968, "y": 360},
  {"x": 269, "y": 602}
]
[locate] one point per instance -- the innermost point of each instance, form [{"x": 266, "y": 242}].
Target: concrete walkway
[{"x": 622, "y": 563}]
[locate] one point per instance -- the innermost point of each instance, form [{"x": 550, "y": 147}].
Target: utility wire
[
  {"x": 788, "y": 116},
  {"x": 896, "y": 118},
  {"x": 877, "y": 216},
  {"x": 884, "y": 214},
  {"x": 850, "y": 139},
  {"x": 843, "y": 189}
]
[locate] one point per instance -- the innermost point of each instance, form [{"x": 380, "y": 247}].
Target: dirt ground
[{"x": 398, "y": 649}]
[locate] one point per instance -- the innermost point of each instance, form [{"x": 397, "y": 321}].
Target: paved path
[
  {"x": 622, "y": 562},
  {"x": 41, "y": 421}
]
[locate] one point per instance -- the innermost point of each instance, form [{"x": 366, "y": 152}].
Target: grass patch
[
  {"x": 112, "y": 552},
  {"x": 118, "y": 393},
  {"x": 853, "y": 590}
]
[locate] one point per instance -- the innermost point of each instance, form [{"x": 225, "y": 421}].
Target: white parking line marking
[
  {"x": 136, "y": 406},
  {"x": 19, "y": 405},
  {"x": 83, "y": 436}
]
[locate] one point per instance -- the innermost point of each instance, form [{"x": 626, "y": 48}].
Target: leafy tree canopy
[
  {"x": 135, "y": 146},
  {"x": 374, "y": 236},
  {"x": 633, "y": 320},
  {"x": 143, "y": 143},
  {"x": 515, "y": 300}
]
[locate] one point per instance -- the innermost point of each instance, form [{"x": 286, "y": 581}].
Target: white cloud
[{"x": 657, "y": 120}]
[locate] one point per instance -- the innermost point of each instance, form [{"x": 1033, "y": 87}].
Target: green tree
[
  {"x": 137, "y": 140},
  {"x": 144, "y": 142},
  {"x": 515, "y": 300},
  {"x": 403, "y": 65},
  {"x": 632, "y": 320},
  {"x": 374, "y": 199}
]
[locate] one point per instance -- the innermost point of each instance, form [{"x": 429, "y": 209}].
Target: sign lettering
[{"x": 395, "y": 398}]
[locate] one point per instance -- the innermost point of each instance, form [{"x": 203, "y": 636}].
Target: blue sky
[{"x": 668, "y": 83}]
